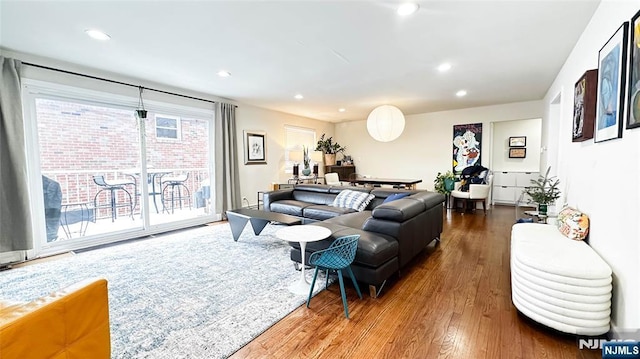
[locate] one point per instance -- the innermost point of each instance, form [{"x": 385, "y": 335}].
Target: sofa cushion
[
  {"x": 322, "y": 212},
  {"x": 353, "y": 199},
  {"x": 289, "y": 206},
  {"x": 573, "y": 223},
  {"x": 353, "y": 220}
]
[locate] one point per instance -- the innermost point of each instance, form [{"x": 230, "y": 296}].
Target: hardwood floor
[{"x": 453, "y": 301}]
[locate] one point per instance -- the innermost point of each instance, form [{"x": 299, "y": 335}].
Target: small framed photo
[
  {"x": 517, "y": 152},
  {"x": 518, "y": 141},
  {"x": 255, "y": 150}
]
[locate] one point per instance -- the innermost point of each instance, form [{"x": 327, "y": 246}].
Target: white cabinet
[{"x": 508, "y": 186}]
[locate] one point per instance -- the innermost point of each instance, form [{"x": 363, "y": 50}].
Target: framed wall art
[
  {"x": 255, "y": 150},
  {"x": 584, "y": 106},
  {"x": 611, "y": 84},
  {"x": 518, "y": 141},
  {"x": 467, "y": 146},
  {"x": 517, "y": 152},
  {"x": 633, "y": 117}
]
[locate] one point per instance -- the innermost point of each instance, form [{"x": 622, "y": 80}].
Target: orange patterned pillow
[{"x": 573, "y": 223}]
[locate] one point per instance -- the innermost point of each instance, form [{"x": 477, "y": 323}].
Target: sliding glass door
[{"x": 108, "y": 175}]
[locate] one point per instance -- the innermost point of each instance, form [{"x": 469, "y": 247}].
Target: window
[
  {"x": 295, "y": 138},
  {"x": 167, "y": 127}
]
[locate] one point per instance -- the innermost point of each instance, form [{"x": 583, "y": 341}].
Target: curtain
[
  {"x": 226, "y": 161},
  {"x": 15, "y": 216}
]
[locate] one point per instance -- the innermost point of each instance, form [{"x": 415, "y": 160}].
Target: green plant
[
  {"x": 328, "y": 146},
  {"x": 440, "y": 183},
  {"x": 544, "y": 190}
]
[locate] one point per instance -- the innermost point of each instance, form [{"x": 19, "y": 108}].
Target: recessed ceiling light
[
  {"x": 444, "y": 67},
  {"x": 407, "y": 9},
  {"x": 97, "y": 34},
  {"x": 341, "y": 110},
  {"x": 461, "y": 93},
  {"x": 224, "y": 73},
  {"x": 298, "y": 97}
]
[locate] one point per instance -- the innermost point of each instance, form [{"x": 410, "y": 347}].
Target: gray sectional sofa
[{"x": 391, "y": 234}]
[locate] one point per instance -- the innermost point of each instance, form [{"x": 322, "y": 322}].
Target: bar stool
[
  {"x": 172, "y": 191},
  {"x": 112, "y": 186}
]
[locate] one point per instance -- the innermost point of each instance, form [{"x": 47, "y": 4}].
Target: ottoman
[{"x": 559, "y": 282}]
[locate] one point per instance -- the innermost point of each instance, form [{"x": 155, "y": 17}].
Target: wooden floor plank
[{"x": 453, "y": 301}]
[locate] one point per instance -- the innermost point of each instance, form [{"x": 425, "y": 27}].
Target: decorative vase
[
  {"x": 306, "y": 171},
  {"x": 449, "y": 184},
  {"x": 542, "y": 209},
  {"x": 329, "y": 159}
]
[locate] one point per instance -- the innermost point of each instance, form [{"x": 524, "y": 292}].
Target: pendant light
[
  {"x": 141, "y": 112},
  {"x": 385, "y": 123}
]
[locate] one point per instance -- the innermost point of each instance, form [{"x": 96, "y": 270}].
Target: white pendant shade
[{"x": 385, "y": 123}]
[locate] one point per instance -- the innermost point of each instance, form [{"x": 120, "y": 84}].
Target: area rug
[{"x": 189, "y": 294}]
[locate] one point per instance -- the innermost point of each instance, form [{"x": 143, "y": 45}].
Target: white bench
[{"x": 559, "y": 282}]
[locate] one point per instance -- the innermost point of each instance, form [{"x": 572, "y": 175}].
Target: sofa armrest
[
  {"x": 71, "y": 323},
  {"x": 399, "y": 210},
  {"x": 273, "y": 196}
]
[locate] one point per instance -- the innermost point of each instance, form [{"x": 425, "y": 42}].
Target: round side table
[{"x": 302, "y": 234}]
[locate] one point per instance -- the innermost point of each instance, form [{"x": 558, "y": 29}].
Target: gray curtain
[
  {"x": 15, "y": 216},
  {"x": 226, "y": 162}
]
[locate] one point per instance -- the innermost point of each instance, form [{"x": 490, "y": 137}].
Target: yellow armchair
[{"x": 72, "y": 323}]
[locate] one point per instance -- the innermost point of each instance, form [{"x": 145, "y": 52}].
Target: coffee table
[
  {"x": 302, "y": 234},
  {"x": 238, "y": 219}
]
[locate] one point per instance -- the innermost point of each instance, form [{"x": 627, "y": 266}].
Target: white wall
[
  {"x": 425, "y": 146},
  {"x": 601, "y": 179},
  {"x": 532, "y": 129},
  {"x": 254, "y": 178}
]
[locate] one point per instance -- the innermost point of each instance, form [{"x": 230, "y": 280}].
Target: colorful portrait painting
[{"x": 467, "y": 146}]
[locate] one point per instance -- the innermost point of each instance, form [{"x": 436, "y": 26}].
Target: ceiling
[{"x": 354, "y": 55}]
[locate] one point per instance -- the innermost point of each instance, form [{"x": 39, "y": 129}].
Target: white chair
[
  {"x": 477, "y": 193},
  {"x": 332, "y": 179}
]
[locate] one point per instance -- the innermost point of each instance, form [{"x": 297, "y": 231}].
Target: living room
[{"x": 424, "y": 149}]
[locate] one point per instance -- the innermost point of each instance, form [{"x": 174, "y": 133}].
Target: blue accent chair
[{"x": 337, "y": 257}]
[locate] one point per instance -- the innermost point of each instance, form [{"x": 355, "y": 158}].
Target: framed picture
[
  {"x": 467, "y": 146},
  {"x": 633, "y": 118},
  {"x": 518, "y": 141},
  {"x": 255, "y": 150},
  {"x": 611, "y": 80},
  {"x": 517, "y": 152},
  {"x": 584, "y": 106}
]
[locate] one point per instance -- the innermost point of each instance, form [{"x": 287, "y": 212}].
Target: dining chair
[
  {"x": 337, "y": 257},
  {"x": 332, "y": 179}
]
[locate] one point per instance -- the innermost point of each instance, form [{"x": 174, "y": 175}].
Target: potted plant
[
  {"x": 329, "y": 149},
  {"x": 544, "y": 191},
  {"x": 444, "y": 182}
]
